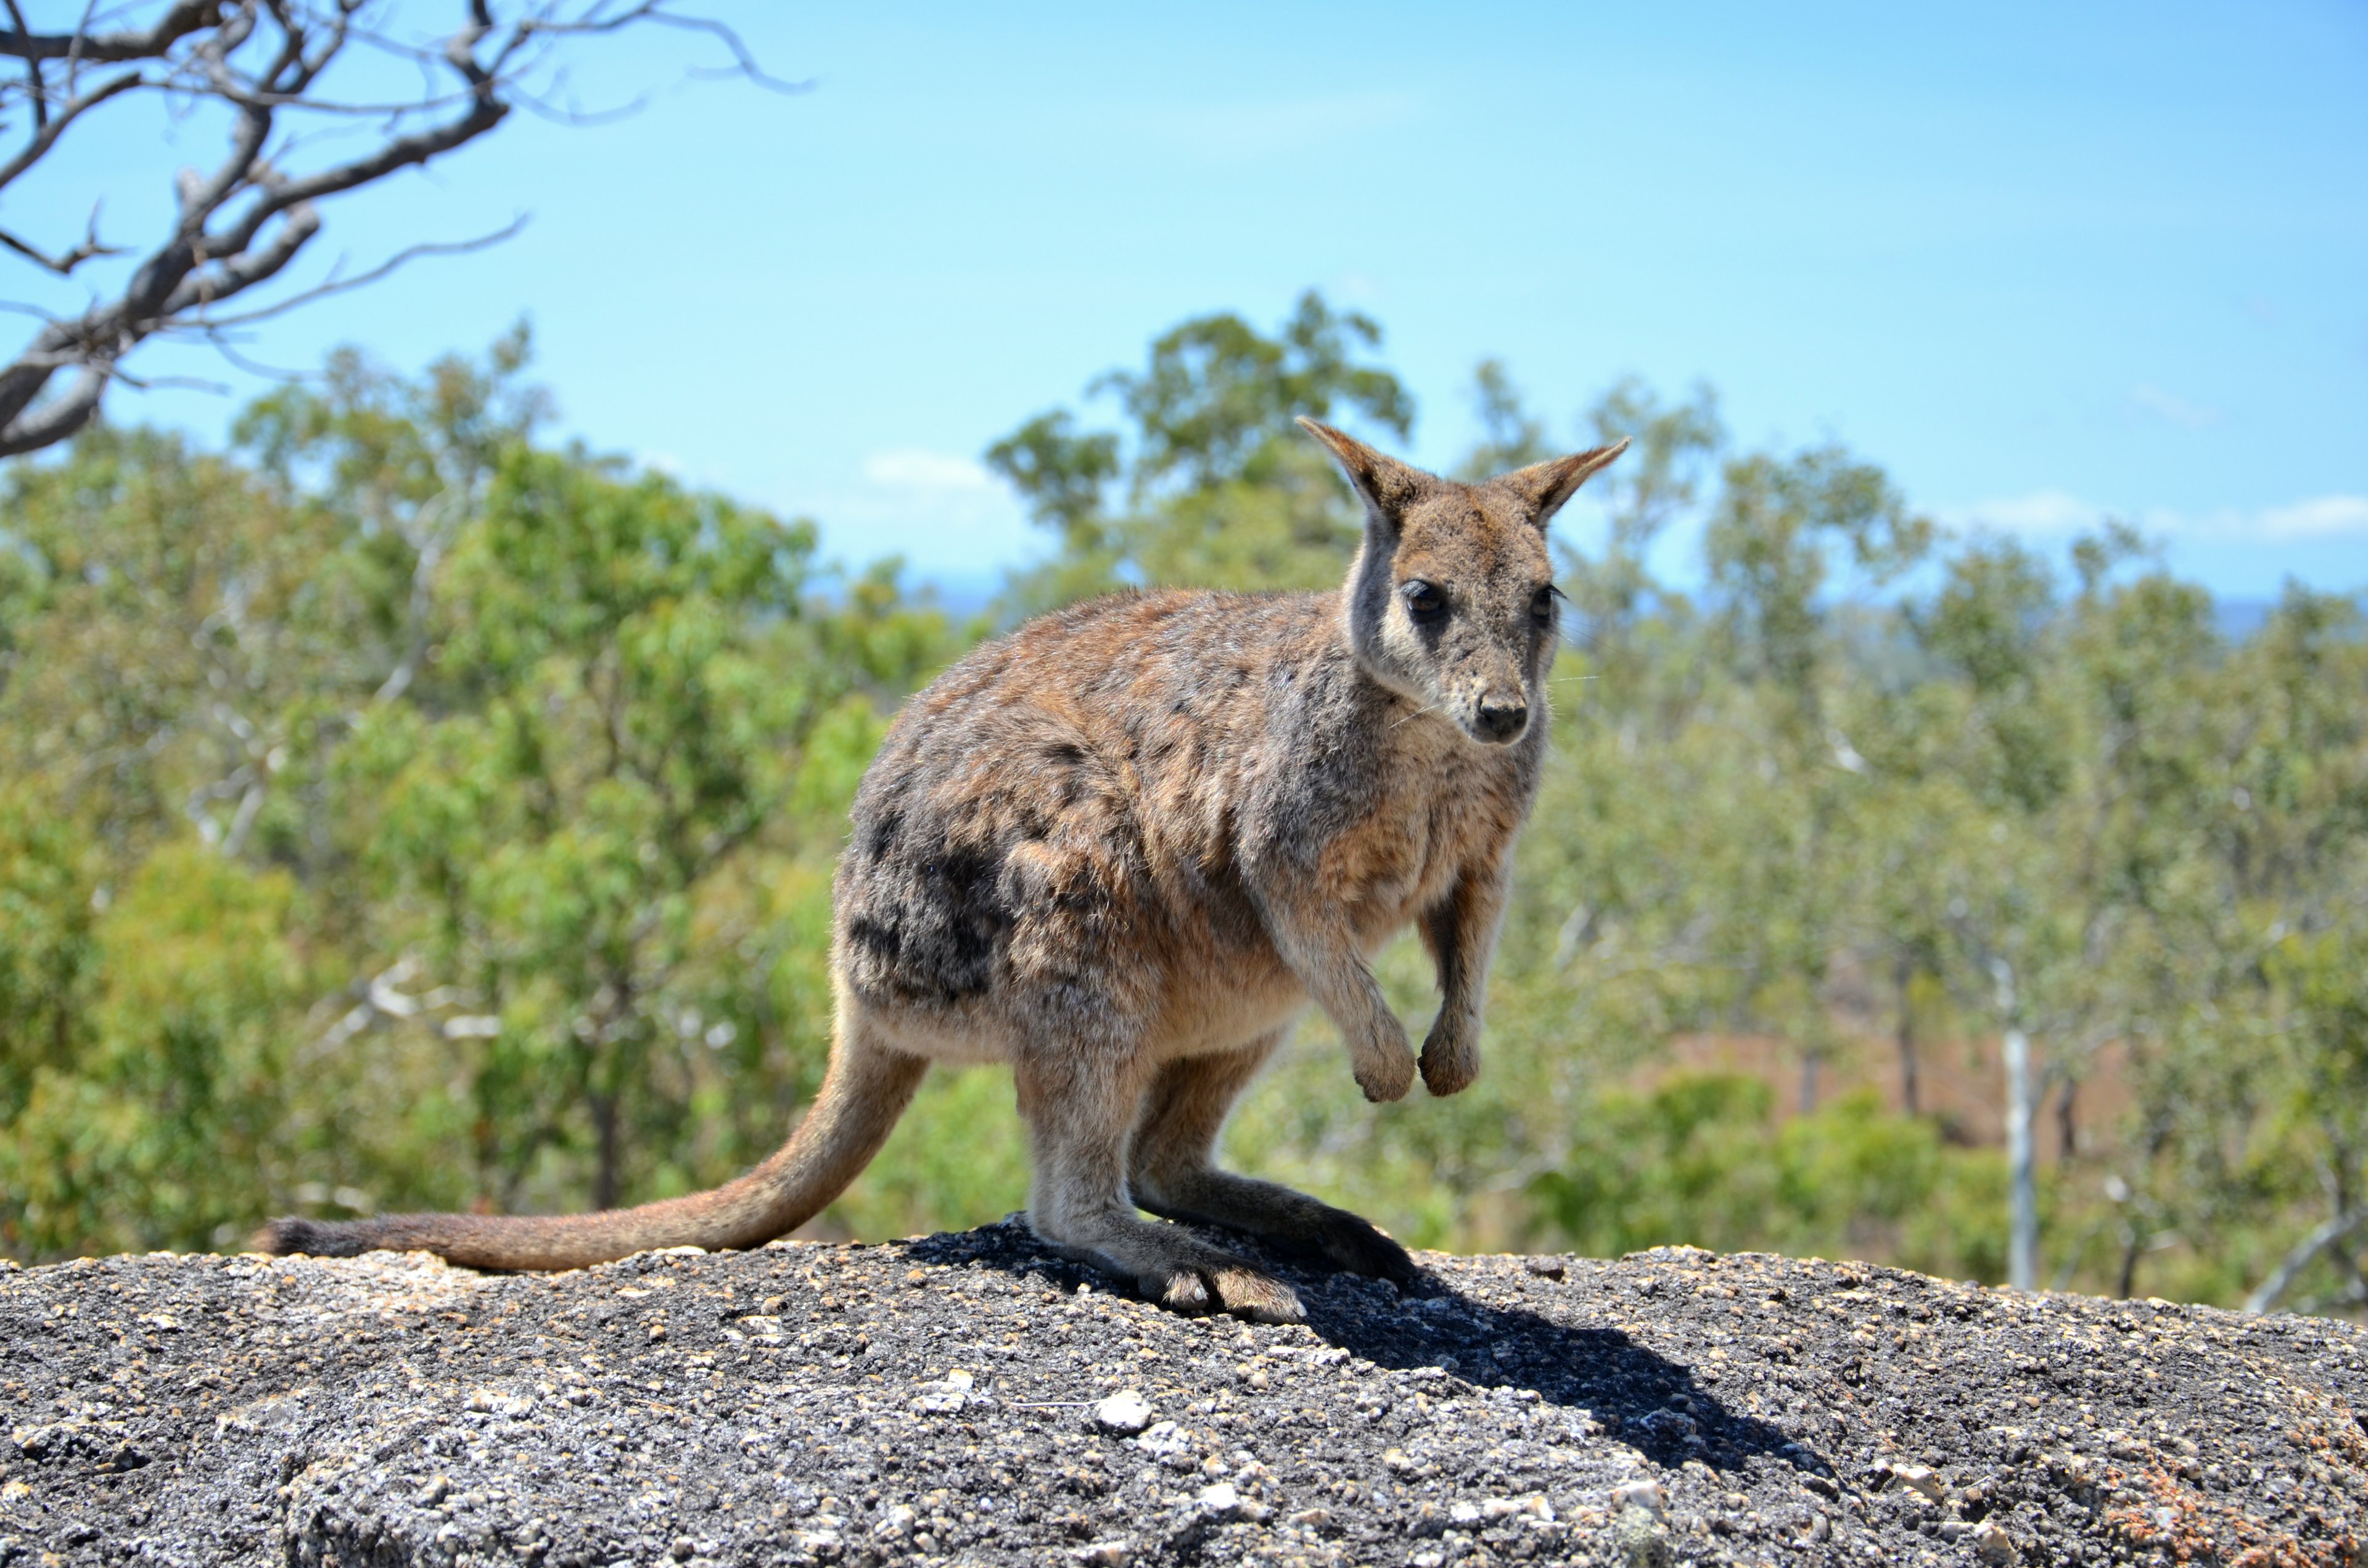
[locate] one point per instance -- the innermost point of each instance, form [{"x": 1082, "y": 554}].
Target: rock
[
  {"x": 947, "y": 1396},
  {"x": 492, "y": 1403},
  {"x": 1640, "y": 1541},
  {"x": 1644, "y": 1493},
  {"x": 1123, "y": 1412},
  {"x": 941, "y": 1400},
  {"x": 1923, "y": 1481},
  {"x": 1163, "y": 1440}
]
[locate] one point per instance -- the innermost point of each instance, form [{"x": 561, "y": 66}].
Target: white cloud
[
  {"x": 2041, "y": 512},
  {"x": 912, "y": 469},
  {"x": 2054, "y": 514},
  {"x": 2327, "y": 517},
  {"x": 2170, "y": 406}
]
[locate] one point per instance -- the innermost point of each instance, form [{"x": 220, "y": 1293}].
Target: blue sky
[{"x": 2044, "y": 263}]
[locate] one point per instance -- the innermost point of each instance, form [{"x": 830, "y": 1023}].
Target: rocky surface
[{"x": 969, "y": 1398}]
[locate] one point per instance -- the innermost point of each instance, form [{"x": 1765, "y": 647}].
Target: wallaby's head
[{"x": 1452, "y": 601}]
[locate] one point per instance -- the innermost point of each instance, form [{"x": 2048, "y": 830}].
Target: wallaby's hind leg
[
  {"x": 1079, "y": 1113},
  {"x": 1170, "y": 1169}
]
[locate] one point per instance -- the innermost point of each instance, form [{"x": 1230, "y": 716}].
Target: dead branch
[{"x": 242, "y": 223}]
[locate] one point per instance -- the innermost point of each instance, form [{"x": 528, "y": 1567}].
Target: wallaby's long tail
[{"x": 865, "y": 1090}]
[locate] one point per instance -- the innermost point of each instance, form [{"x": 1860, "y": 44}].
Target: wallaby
[{"x": 1119, "y": 849}]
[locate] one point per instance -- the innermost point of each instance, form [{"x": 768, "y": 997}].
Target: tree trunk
[
  {"x": 2022, "y": 1200},
  {"x": 2133, "y": 1247},
  {"x": 1910, "y": 1096},
  {"x": 606, "y": 1179}
]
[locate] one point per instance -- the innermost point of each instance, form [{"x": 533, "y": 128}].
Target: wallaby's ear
[
  {"x": 1544, "y": 487},
  {"x": 1386, "y": 485}
]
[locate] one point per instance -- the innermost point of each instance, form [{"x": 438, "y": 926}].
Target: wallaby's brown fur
[{"x": 1120, "y": 850}]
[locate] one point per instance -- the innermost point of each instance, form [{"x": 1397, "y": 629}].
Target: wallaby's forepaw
[
  {"x": 1357, "y": 1246},
  {"x": 1446, "y": 1067},
  {"x": 1386, "y": 1073},
  {"x": 1240, "y": 1290}
]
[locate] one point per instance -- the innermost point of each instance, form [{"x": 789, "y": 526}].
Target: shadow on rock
[{"x": 1645, "y": 1400}]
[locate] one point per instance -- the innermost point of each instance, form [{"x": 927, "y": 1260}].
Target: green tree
[
  {"x": 398, "y": 813},
  {"x": 1212, "y": 483}
]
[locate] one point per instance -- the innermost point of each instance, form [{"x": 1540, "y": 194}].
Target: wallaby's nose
[{"x": 1503, "y": 721}]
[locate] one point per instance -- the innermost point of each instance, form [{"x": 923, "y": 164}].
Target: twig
[{"x": 335, "y": 285}]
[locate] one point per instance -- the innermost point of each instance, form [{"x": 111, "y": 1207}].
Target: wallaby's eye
[
  {"x": 1542, "y": 608},
  {"x": 1424, "y": 602}
]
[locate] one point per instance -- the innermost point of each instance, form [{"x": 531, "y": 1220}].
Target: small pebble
[
  {"x": 1924, "y": 1481},
  {"x": 1124, "y": 1412},
  {"x": 1644, "y": 1493}
]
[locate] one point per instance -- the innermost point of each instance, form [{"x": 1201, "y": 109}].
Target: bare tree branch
[
  {"x": 243, "y": 222},
  {"x": 152, "y": 43},
  {"x": 63, "y": 264},
  {"x": 50, "y": 127},
  {"x": 334, "y": 284},
  {"x": 2303, "y": 1253}
]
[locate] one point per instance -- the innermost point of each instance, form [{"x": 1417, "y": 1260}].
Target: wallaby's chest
[{"x": 1424, "y": 827}]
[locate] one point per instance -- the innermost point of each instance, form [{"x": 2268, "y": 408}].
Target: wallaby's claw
[
  {"x": 1182, "y": 1291},
  {"x": 1242, "y": 1292},
  {"x": 1249, "y": 1294}
]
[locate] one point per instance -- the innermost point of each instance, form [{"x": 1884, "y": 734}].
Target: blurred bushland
[{"x": 397, "y": 810}]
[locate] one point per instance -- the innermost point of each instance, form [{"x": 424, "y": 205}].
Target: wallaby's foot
[
  {"x": 1179, "y": 1270},
  {"x": 1349, "y": 1242},
  {"x": 1356, "y": 1246}
]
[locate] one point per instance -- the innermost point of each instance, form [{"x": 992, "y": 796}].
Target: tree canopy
[{"x": 397, "y": 809}]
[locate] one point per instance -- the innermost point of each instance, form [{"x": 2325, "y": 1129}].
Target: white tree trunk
[{"x": 2022, "y": 1186}]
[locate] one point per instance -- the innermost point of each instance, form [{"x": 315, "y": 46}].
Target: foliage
[
  {"x": 401, "y": 813},
  {"x": 1700, "y": 1160},
  {"x": 396, "y": 810},
  {"x": 1213, "y": 485}
]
